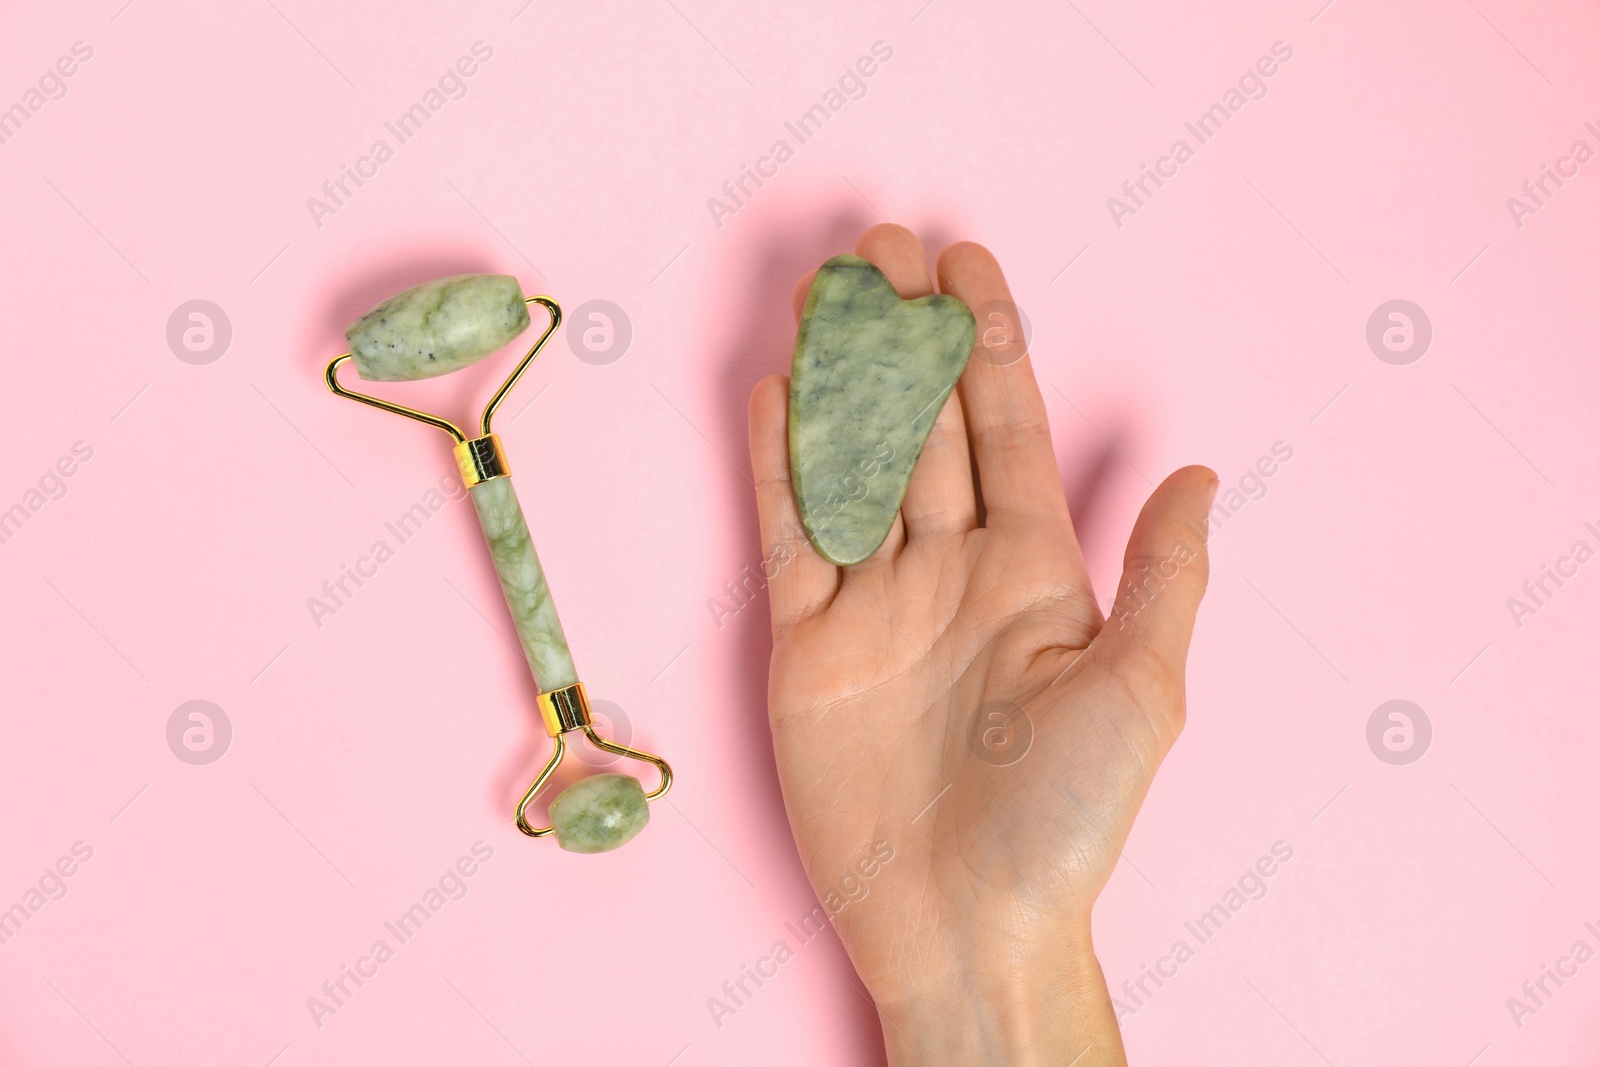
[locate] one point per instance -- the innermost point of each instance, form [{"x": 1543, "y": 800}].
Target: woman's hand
[{"x": 958, "y": 702}]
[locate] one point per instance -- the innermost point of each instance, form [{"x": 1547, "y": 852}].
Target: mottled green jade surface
[
  {"x": 599, "y": 813},
  {"x": 522, "y": 580},
  {"x": 871, "y": 373},
  {"x": 437, "y": 327}
]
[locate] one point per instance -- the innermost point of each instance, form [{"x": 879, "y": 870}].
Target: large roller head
[{"x": 437, "y": 327}]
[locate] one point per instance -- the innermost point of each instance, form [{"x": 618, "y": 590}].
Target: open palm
[{"x": 959, "y": 703}]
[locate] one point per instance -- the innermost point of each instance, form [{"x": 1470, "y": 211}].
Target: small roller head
[
  {"x": 437, "y": 327},
  {"x": 599, "y": 813}
]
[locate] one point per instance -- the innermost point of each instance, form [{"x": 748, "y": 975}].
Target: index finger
[{"x": 1005, "y": 414}]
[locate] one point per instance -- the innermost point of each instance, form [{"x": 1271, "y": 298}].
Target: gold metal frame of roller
[{"x": 480, "y": 459}]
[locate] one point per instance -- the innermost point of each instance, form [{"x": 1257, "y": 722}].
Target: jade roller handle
[{"x": 523, "y": 582}]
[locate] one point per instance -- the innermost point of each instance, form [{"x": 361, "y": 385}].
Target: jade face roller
[{"x": 436, "y": 328}]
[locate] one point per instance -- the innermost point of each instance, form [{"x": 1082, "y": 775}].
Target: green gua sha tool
[
  {"x": 436, "y": 328},
  {"x": 871, "y": 373}
]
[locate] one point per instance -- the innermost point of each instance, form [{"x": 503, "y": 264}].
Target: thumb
[{"x": 1164, "y": 574}]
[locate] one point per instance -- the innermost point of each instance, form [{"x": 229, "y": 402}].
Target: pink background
[{"x": 368, "y": 754}]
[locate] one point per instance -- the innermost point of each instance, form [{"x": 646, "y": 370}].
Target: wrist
[{"x": 993, "y": 1007}]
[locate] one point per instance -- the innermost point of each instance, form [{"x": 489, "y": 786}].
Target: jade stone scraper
[
  {"x": 871, "y": 373},
  {"x": 436, "y": 328}
]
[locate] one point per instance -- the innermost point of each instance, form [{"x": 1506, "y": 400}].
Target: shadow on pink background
[{"x": 374, "y": 748}]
